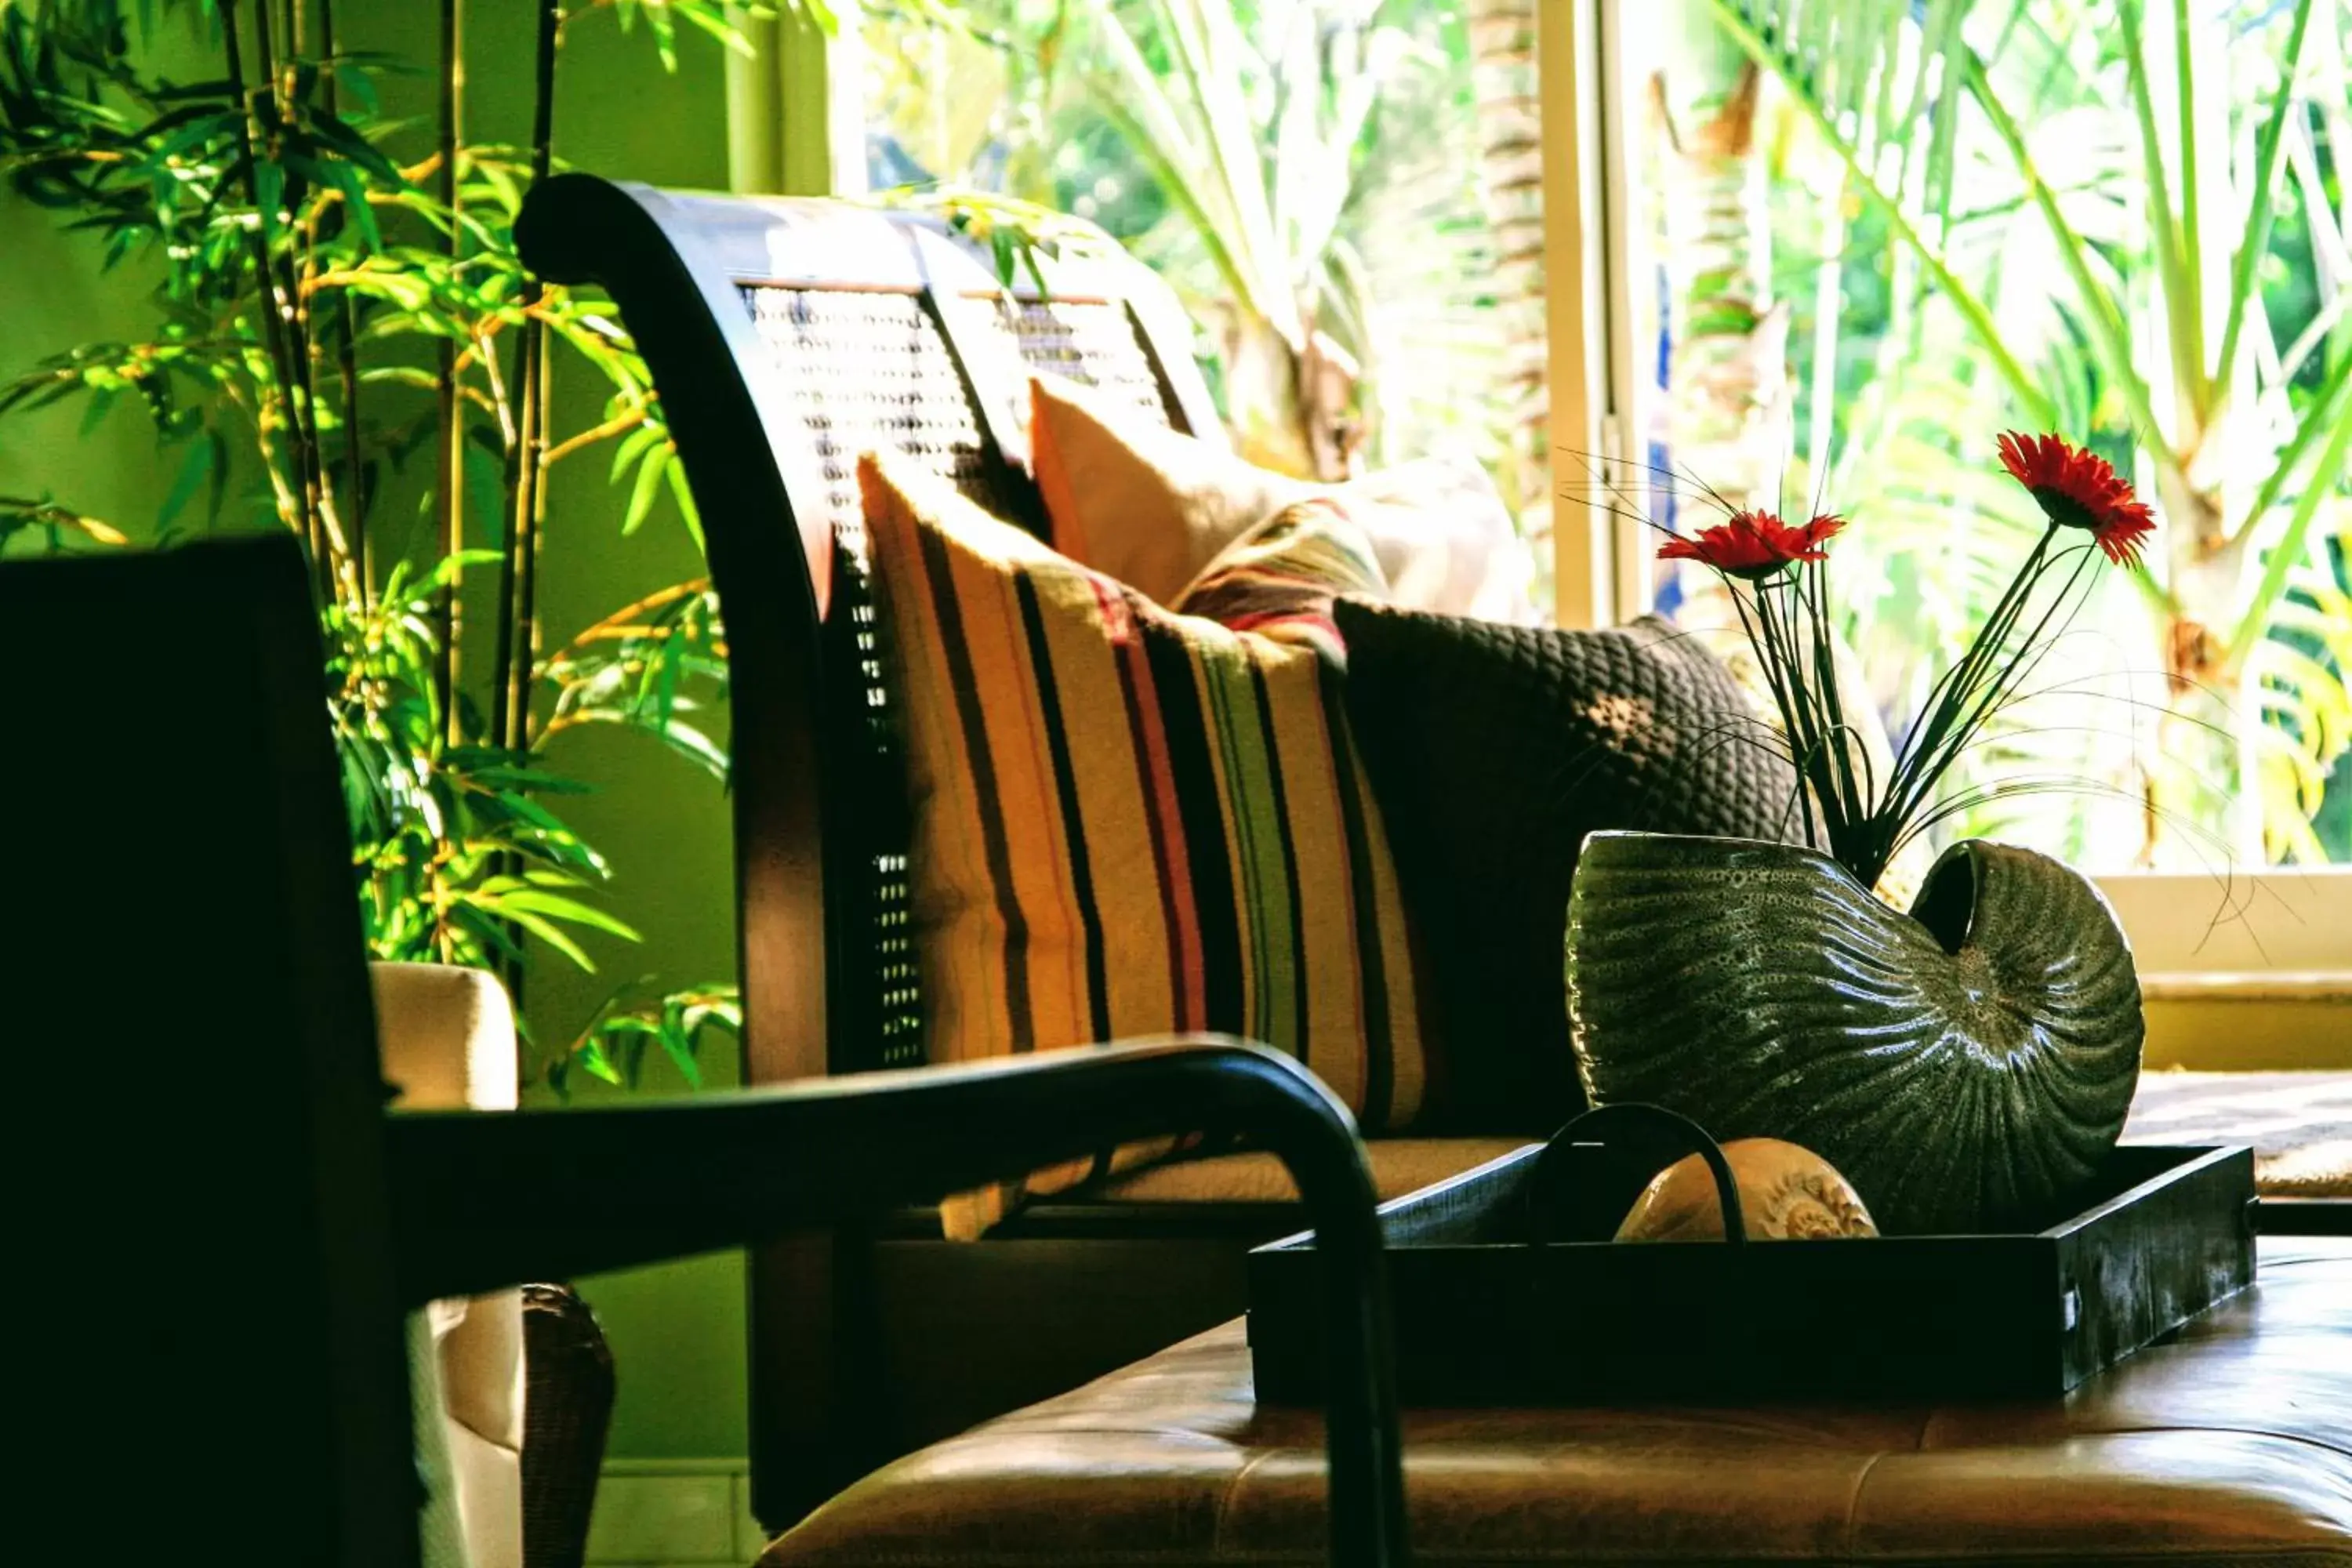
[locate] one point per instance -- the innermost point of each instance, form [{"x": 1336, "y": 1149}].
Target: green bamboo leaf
[
  {"x": 631, "y": 448},
  {"x": 718, "y": 27},
  {"x": 547, "y": 931},
  {"x": 360, "y": 85},
  {"x": 449, "y": 568},
  {"x": 597, "y": 1064},
  {"x": 680, "y": 1049},
  {"x": 338, "y": 133},
  {"x": 355, "y": 202},
  {"x": 101, "y": 402},
  {"x": 557, "y": 907},
  {"x": 649, "y": 486},
  {"x": 483, "y": 929},
  {"x": 195, "y": 469},
  {"x": 683, "y": 494}
]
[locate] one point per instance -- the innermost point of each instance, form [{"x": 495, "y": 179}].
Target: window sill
[{"x": 2250, "y": 1020}]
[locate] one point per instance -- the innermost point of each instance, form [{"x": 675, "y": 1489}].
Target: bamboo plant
[{"x": 345, "y": 339}]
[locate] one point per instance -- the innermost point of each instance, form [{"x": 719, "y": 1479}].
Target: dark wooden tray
[{"x": 1484, "y": 1319}]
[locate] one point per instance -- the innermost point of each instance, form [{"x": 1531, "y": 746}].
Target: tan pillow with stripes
[
  {"x": 1153, "y": 508},
  {"x": 1129, "y": 822}
]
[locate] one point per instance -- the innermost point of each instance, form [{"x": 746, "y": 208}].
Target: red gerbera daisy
[
  {"x": 2079, "y": 490},
  {"x": 1754, "y": 543}
]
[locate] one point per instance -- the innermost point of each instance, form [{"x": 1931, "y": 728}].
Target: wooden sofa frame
[{"x": 785, "y": 337}]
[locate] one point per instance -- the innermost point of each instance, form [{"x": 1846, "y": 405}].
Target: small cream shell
[{"x": 1786, "y": 1193}]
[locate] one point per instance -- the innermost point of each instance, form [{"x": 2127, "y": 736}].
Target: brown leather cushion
[
  {"x": 1400, "y": 1165},
  {"x": 2231, "y": 1445}
]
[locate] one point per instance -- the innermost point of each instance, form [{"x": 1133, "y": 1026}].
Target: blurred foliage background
[{"x": 1858, "y": 239}]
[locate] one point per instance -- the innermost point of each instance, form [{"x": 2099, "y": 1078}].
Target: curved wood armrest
[{"x": 746, "y": 1167}]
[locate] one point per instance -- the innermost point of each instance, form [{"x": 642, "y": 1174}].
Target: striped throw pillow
[
  {"x": 1128, "y": 821},
  {"x": 1279, "y": 578}
]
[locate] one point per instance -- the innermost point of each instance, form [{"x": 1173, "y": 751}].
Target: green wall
[{"x": 677, "y": 1330}]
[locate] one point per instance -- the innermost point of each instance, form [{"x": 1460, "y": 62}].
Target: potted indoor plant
[{"x": 1967, "y": 1064}]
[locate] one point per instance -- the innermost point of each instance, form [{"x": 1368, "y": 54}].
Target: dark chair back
[
  {"x": 199, "y": 1109},
  {"x": 787, "y": 338}
]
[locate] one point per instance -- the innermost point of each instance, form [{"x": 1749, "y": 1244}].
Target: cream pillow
[{"x": 1151, "y": 506}]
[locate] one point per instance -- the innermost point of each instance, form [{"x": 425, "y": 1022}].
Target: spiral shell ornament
[
  {"x": 1786, "y": 1193},
  {"x": 1967, "y": 1065}
]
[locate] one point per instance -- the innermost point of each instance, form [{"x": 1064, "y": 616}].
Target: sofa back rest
[{"x": 786, "y": 337}]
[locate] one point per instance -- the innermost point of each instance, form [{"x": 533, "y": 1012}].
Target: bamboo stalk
[
  {"x": 527, "y": 590},
  {"x": 449, "y": 492},
  {"x": 273, "y": 332},
  {"x": 329, "y": 548},
  {"x": 504, "y": 695},
  {"x": 347, "y": 362},
  {"x": 517, "y": 563},
  {"x": 610, "y": 427},
  {"x": 519, "y": 568}
]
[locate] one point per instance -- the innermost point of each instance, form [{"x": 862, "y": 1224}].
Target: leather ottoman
[{"x": 2231, "y": 1445}]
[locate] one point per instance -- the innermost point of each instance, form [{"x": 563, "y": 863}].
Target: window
[
  {"x": 1791, "y": 247},
  {"x": 1346, "y": 195},
  {"x": 1862, "y": 241}
]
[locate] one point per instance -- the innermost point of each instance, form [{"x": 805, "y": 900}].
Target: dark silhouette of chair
[{"x": 245, "y": 1225}]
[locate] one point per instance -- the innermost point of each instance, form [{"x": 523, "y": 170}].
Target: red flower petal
[
  {"x": 2076, "y": 489},
  {"x": 1753, "y": 544},
  {"x": 1824, "y": 526}
]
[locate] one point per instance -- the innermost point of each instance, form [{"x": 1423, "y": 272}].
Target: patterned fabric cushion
[
  {"x": 1153, "y": 508},
  {"x": 1128, "y": 821},
  {"x": 1279, "y": 580},
  {"x": 1495, "y": 751}
]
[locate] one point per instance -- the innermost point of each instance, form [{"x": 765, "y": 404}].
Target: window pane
[
  {"x": 1346, "y": 196},
  {"x": 1866, "y": 240}
]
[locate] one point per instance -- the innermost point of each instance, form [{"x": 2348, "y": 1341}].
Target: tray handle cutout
[{"x": 1593, "y": 1168}]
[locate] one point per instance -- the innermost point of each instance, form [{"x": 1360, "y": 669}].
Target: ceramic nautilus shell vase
[{"x": 1967, "y": 1065}]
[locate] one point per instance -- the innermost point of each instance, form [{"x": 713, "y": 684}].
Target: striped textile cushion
[
  {"x": 1279, "y": 578},
  {"x": 1128, "y": 821}
]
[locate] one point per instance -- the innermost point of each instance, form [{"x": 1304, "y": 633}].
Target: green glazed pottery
[{"x": 1967, "y": 1065}]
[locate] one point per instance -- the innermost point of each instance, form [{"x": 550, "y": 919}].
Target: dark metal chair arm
[{"x": 745, "y": 1167}]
